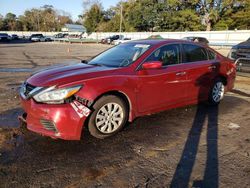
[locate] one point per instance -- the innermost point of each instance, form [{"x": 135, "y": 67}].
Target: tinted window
[
  {"x": 194, "y": 53},
  {"x": 168, "y": 55}
]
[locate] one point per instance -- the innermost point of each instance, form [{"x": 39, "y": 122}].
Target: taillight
[{"x": 231, "y": 67}]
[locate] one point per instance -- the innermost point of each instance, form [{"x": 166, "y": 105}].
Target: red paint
[
  {"x": 149, "y": 88},
  {"x": 152, "y": 65}
]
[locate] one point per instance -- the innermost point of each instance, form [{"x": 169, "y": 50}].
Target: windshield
[{"x": 120, "y": 56}]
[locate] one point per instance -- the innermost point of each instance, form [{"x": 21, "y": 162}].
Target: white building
[{"x": 74, "y": 29}]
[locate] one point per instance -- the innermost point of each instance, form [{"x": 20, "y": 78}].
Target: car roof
[{"x": 154, "y": 41}]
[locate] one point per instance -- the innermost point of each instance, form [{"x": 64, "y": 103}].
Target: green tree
[
  {"x": 93, "y": 17},
  {"x": 45, "y": 18},
  {"x": 10, "y": 21},
  {"x": 142, "y": 15},
  {"x": 186, "y": 20},
  {"x": 241, "y": 17},
  {"x": 1, "y": 23}
]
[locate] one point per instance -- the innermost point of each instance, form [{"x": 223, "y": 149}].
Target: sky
[{"x": 74, "y": 7}]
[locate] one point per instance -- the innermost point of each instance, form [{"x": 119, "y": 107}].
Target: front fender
[{"x": 126, "y": 85}]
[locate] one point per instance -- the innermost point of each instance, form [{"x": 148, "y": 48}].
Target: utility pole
[{"x": 121, "y": 20}]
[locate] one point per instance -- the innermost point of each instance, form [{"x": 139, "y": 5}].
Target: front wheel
[
  {"x": 217, "y": 92},
  {"x": 109, "y": 116}
]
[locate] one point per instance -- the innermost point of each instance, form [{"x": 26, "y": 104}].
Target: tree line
[
  {"x": 168, "y": 15},
  {"x": 138, "y": 15},
  {"x": 45, "y": 18}
]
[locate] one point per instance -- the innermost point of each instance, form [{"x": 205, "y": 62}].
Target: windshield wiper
[
  {"x": 96, "y": 64},
  {"x": 103, "y": 65}
]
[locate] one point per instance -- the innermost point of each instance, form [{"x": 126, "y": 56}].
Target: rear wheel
[
  {"x": 217, "y": 92},
  {"x": 109, "y": 116}
]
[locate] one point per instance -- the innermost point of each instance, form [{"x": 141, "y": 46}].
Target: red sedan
[{"x": 127, "y": 81}]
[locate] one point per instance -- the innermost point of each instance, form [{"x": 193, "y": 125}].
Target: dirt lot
[{"x": 195, "y": 146}]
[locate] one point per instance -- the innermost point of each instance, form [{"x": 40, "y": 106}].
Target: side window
[
  {"x": 211, "y": 55},
  {"x": 194, "y": 53},
  {"x": 168, "y": 55}
]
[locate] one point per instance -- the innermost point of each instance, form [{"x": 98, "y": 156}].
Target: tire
[
  {"x": 109, "y": 116},
  {"x": 217, "y": 92}
]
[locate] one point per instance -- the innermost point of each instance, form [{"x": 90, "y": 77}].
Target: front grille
[
  {"x": 243, "y": 52},
  {"x": 49, "y": 125},
  {"x": 243, "y": 65}
]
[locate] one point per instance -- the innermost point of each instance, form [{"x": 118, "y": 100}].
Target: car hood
[
  {"x": 243, "y": 45},
  {"x": 67, "y": 74}
]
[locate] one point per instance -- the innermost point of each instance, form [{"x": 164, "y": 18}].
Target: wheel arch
[
  {"x": 223, "y": 79},
  {"x": 121, "y": 95}
]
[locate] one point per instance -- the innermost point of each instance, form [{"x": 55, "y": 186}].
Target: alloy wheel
[
  {"x": 109, "y": 118},
  {"x": 218, "y": 91}
]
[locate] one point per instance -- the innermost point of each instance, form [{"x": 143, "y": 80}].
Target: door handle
[
  {"x": 212, "y": 67},
  {"x": 180, "y": 73}
]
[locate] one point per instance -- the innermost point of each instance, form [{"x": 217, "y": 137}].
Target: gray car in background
[
  {"x": 240, "y": 53},
  {"x": 39, "y": 38}
]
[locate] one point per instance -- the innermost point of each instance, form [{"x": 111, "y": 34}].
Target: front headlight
[
  {"x": 52, "y": 95},
  {"x": 232, "y": 54}
]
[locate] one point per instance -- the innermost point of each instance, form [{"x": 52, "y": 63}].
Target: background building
[{"x": 74, "y": 29}]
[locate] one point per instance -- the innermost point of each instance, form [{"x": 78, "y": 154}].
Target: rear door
[
  {"x": 201, "y": 71},
  {"x": 159, "y": 88}
]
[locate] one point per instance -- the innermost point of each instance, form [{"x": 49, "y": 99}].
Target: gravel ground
[{"x": 194, "y": 146}]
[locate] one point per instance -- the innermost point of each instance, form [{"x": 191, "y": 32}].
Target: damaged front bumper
[{"x": 64, "y": 121}]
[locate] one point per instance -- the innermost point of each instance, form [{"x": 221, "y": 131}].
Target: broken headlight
[{"x": 52, "y": 95}]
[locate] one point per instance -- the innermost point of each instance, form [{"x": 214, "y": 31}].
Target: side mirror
[
  {"x": 84, "y": 61},
  {"x": 152, "y": 65}
]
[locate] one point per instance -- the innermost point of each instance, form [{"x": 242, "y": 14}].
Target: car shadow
[
  {"x": 183, "y": 171},
  {"x": 20, "y": 41},
  {"x": 8, "y": 119},
  {"x": 185, "y": 166}
]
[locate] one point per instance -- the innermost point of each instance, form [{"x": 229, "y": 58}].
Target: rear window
[
  {"x": 202, "y": 40},
  {"x": 193, "y": 53}
]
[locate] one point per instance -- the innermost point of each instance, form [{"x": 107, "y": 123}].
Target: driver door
[{"x": 160, "y": 88}]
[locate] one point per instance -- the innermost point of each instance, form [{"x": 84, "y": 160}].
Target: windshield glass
[{"x": 120, "y": 56}]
